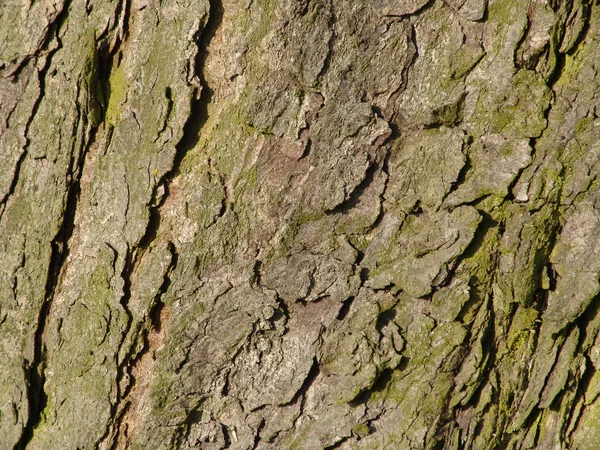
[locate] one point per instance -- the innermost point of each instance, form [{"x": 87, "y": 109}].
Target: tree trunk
[{"x": 300, "y": 224}]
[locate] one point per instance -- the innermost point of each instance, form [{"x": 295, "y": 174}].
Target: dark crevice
[
  {"x": 165, "y": 124},
  {"x": 416, "y": 13},
  {"x": 371, "y": 423},
  {"x": 586, "y": 15},
  {"x": 510, "y": 196},
  {"x": 261, "y": 426},
  {"x": 311, "y": 286},
  {"x": 123, "y": 11},
  {"x": 191, "y": 130},
  {"x": 118, "y": 418},
  {"x": 475, "y": 298},
  {"x": 42, "y": 73},
  {"x": 582, "y": 387},
  {"x": 226, "y": 386},
  {"x": 397, "y": 119},
  {"x": 226, "y": 200},
  {"x": 304, "y": 133},
  {"x": 256, "y": 273},
  {"x": 121, "y": 368},
  {"x": 385, "y": 168},
  {"x": 416, "y": 209},
  {"x": 448, "y": 115},
  {"x": 156, "y": 318},
  {"x": 542, "y": 259},
  {"x": 486, "y": 225},
  {"x": 19, "y": 163},
  {"x": 51, "y": 32},
  {"x": 307, "y": 146},
  {"x": 337, "y": 444},
  {"x": 281, "y": 313},
  {"x": 353, "y": 199},
  {"x": 59, "y": 253},
  {"x": 300, "y": 394},
  {"x": 489, "y": 358},
  {"x": 226, "y": 436},
  {"x": 552, "y": 275},
  {"x": 529, "y": 422},
  {"x": 364, "y": 275},
  {"x": 518, "y": 58},
  {"x": 384, "y": 318},
  {"x": 461, "y": 178},
  {"x": 126, "y": 277},
  {"x": 532, "y": 415},
  {"x": 560, "y": 397},
  {"x": 193, "y": 417},
  {"x": 582, "y": 322},
  {"x": 155, "y": 312},
  {"x": 345, "y": 309},
  {"x": 36, "y": 394},
  {"x": 559, "y": 67},
  {"x": 382, "y": 383},
  {"x": 330, "y": 45},
  {"x": 59, "y": 245},
  {"x": 199, "y": 110}
]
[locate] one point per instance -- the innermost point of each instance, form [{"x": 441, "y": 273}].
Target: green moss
[
  {"x": 480, "y": 263},
  {"x": 393, "y": 390},
  {"x": 524, "y": 321},
  {"x": 436, "y": 399},
  {"x": 527, "y": 278},
  {"x": 91, "y": 83},
  {"x": 117, "y": 94},
  {"x": 464, "y": 60},
  {"x": 359, "y": 241},
  {"x": 361, "y": 429},
  {"x": 517, "y": 111},
  {"x": 248, "y": 181},
  {"x": 449, "y": 114},
  {"x": 500, "y": 121},
  {"x": 503, "y": 13},
  {"x": 584, "y": 126},
  {"x": 572, "y": 65},
  {"x": 588, "y": 429}
]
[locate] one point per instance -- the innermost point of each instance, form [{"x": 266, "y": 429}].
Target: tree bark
[{"x": 300, "y": 224}]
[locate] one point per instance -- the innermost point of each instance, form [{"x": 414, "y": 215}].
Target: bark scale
[{"x": 300, "y": 224}]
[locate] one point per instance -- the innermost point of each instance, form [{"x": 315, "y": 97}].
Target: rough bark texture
[{"x": 299, "y": 224}]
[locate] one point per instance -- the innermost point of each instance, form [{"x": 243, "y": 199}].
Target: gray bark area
[{"x": 299, "y": 224}]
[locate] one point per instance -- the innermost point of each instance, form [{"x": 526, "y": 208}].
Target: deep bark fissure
[
  {"x": 51, "y": 33},
  {"x": 35, "y": 369},
  {"x": 492, "y": 251},
  {"x": 59, "y": 254},
  {"x": 191, "y": 129},
  {"x": 54, "y": 31},
  {"x": 156, "y": 318},
  {"x": 330, "y": 47}
]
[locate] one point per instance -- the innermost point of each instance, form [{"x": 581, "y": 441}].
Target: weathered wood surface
[{"x": 299, "y": 224}]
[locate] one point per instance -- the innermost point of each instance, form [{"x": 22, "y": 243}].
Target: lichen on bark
[{"x": 314, "y": 224}]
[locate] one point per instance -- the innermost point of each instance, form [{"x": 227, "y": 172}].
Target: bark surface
[{"x": 299, "y": 224}]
